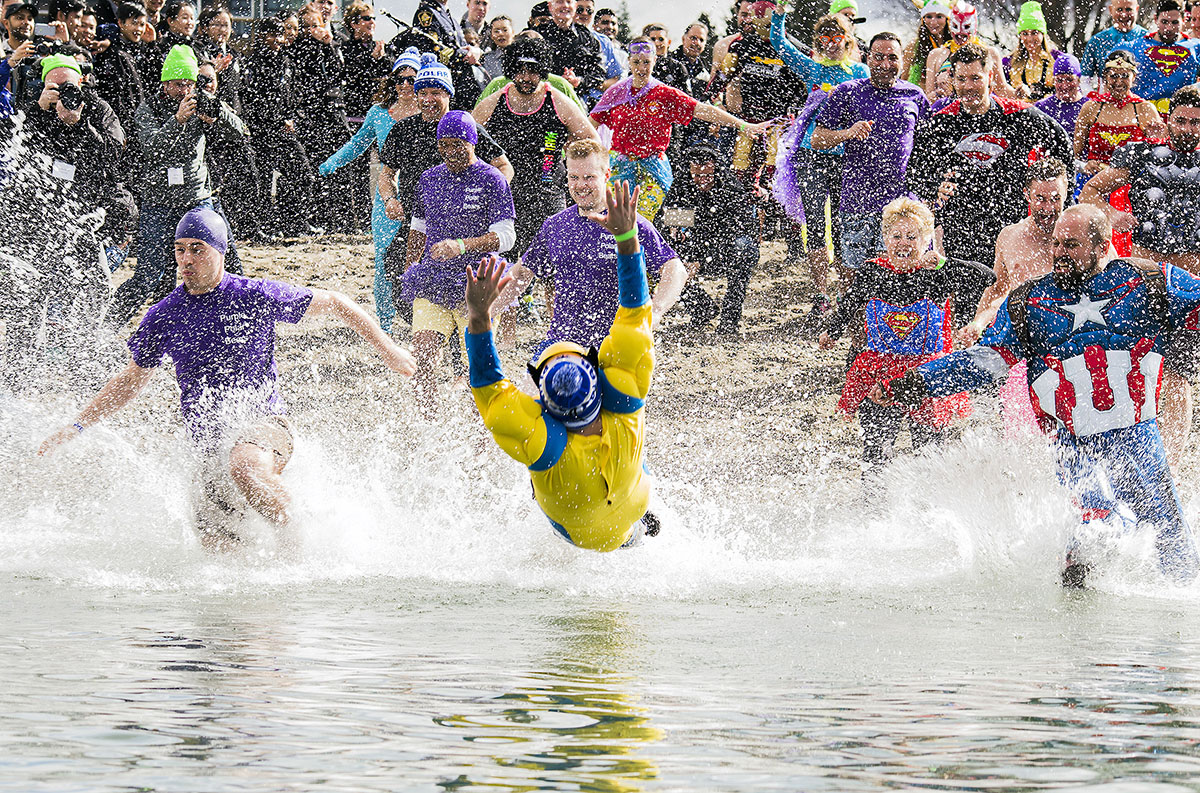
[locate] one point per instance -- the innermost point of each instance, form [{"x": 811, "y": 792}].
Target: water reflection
[{"x": 575, "y": 722}]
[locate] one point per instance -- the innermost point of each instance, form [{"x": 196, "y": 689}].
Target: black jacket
[
  {"x": 229, "y": 81},
  {"x": 119, "y": 82},
  {"x": 363, "y": 73},
  {"x": 267, "y": 96},
  {"x": 320, "y": 78},
  {"x": 82, "y": 161},
  {"x": 721, "y": 215},
  {"x": 575, "y": 48}
]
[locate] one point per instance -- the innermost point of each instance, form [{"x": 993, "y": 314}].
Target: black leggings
[{"x": 880, "y": 427}]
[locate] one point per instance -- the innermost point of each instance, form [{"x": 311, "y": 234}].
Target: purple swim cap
[
  {"x": 204, "y": 224},
  {"x": 458, "y": 124},
  {"x": 1067, "y": 64}
]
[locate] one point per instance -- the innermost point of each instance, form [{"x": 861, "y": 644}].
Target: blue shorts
[{"x": 862, "y": 238}]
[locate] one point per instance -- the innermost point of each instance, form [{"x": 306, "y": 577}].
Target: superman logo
[
  {"x": 902, "y": 322},
  {"x": 982, "y": 148},
  {"x": 1168, "y": 59}
]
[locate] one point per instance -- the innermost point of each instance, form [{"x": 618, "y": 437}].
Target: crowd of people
[{"x": 922, "y": 184}]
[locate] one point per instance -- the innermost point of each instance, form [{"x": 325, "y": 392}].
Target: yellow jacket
[{"x": 593, "y": 487}]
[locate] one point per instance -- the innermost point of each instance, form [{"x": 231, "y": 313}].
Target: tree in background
[
  {"x": 624, "y": 23},
  {"x": 706, "y": 20}
]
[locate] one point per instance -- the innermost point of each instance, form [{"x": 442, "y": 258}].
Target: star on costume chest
[{"x": 1087, "y": 310}]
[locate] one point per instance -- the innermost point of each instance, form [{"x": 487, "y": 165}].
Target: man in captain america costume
[{"x": 1092, "y": 332}]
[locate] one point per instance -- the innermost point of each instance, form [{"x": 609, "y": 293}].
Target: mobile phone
[{"x": 45, "y": 29}]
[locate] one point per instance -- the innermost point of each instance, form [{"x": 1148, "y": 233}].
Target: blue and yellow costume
[{"x": 593, "y": 488}]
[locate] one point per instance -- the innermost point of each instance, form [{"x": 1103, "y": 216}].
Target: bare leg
[
  {"x": 427, "y": 349},
  {"x": 256, "y": 472},
  {"x": 1175, "y": 419}
]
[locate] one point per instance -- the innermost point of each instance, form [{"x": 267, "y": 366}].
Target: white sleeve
[
  {"x": 506, "y": 230},
  {"x": 417, "y": 224}
]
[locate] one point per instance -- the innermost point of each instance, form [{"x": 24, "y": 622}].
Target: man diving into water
[
  {"x": 583, "y": 441},
  {"x": 219, "y": 330}
]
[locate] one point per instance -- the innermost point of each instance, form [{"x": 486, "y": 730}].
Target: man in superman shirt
[
  {"x": 1166, "y": 62},
  {"x": 1093, "y": 332},
  {"x": 970, "y": 158}
]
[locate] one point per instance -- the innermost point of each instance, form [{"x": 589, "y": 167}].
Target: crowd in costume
[{"x": 965, "y": 213}]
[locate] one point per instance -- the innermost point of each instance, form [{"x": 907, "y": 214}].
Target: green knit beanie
[
  {"x": 59, "y": 62},
  {"x": 1031, "y": 18},
  {"x": 840, "y": 5},
  {"x": 180, "y": 64}
]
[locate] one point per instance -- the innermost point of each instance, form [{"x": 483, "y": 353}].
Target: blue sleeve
[
  {"x": 353, "y": 148},
  {"x": 795, "y": 60},
  {"x": 631, "y": 280},
  {"x": 483, "y": 360},
  {"x": 830, "y": 116},
  {"x": 612, "y": 65},
  {"x": 5, "y": 73},
  {"x": 1090, "y": 62},
  {"x": 965, "y": 370},
  {"x": 1183, "y": 294}
]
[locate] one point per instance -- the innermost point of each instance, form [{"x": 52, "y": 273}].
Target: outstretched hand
[
  {"x": 484, "y": 285},
  {"x": 622, "y": 209}
]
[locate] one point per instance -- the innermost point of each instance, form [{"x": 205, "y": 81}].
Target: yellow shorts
[
  {"x": 431, "y": 316},
  {"x": 744, "y": 149}
]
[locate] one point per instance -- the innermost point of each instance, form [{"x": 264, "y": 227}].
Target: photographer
[
  {"x": 68, "y": 174},
  {"x": 711, "y": 223},
  {"x": 20, "y": 20},
  {"x": 232, "y": 169},
  {"x": 172, "y": 134}
]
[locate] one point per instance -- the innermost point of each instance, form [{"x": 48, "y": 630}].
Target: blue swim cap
[{"x": 570, "y": 392}]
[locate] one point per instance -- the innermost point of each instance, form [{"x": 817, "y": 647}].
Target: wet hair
[
  {"x": 1188, "y": 96},
  {"x": 130, "y": 11},
  {"x": 701, "y": 154},
  {"x": 1046, "y": 169},
  {"x": 886, "y": 35},
  {"x": 606, "y": 12},
  {"x": 172, "y": 9},
  {"x": 527, "y": 49},
  {"x": 210, "y": 13},
  {"x": 902, "y": 208},
  {"x": 584, "y": 148},
  {"x": 829, "y": 22},
  {"x": 652, "y": 27},
  {"x": 970, "y": 53},
  {"x": 1168, "y": 5},
  {"x": 501, "y": 18}
]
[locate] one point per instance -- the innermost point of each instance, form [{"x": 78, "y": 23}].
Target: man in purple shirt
[
  {"x": 580, "y": 258},
  {"x": 1065, "y": 103},
  {"x": 875, "y": 117},
  {"x": 219, "y": 331},
  {"x": 463, "y": 209}
]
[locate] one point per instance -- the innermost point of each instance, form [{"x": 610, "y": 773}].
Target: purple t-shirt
[
  {"x": 1065, "y": 113},
  {"x": 873, "y": 169},
  {"x": 454, "y": 206},
  {"x": 223, "y": 346},
  {"x": 581, "y": 257}
]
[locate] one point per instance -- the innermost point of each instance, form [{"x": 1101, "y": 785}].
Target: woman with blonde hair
[{"x": 903, "y": 308}]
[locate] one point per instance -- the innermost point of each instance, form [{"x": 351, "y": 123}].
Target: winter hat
[
  {"x": 180, "y": 64},
  {"x": 433, "y": 74},
  {"x": 202, "y": 223},
  {"x": 410, "y": 58},
  {"x": 458, "y": 124},
  {"x": 842, "y": 5},
  {"x": 1031, "y": 18},
  {"x": 59, "y": 62},
  {"x": 1067, "y": 64},
  {"x": 933, "y": 7}
]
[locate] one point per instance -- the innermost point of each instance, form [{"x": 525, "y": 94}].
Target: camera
[
  {"x": 48, "y": 47},
  {"x": 207, "y": 103},
  {"x": 70, "y": 96}
]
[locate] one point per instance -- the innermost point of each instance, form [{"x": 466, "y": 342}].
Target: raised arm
[
  {"x": 792, "y": 57},
  {"x": 116, "y": 394},
  {"x": 336, "y": 304},
  {"x": 514, "y": 419}
]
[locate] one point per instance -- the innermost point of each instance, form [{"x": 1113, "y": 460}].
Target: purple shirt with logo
[
  {"x": 454, "y": 206},
  {"x": 1065, "y": 113},
  {"x": 223, "y": 346},
  {"x": 873, "y": 169},
  {"x": 581, "y": 257}
]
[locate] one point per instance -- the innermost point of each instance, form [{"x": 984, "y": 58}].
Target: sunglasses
[
  {"x": 831, "y": 39},
  {"x": 406, "y": 80}
]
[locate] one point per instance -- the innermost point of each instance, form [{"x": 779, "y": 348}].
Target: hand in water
[
  {"x": 57, "y": 439},
  {"x": 879, "y": 398}
]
